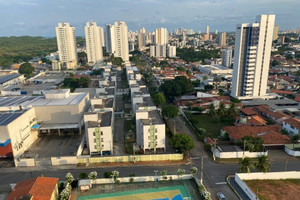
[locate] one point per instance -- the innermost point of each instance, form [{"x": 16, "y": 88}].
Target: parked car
[{"x": 221, "y": 196}]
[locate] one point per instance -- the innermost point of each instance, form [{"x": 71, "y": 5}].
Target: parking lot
[{"x": 54, "y": 146}]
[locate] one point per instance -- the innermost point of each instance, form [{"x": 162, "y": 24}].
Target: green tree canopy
[
  {"x": 182, "y": 142},
  {"x": 246, "y": 164},
  {"x": 159, "y": 99},
  {"x": 171, "y": 89},
  {"x": 263, "y": 164},
  {"x": 170, "y": 111},
  {"x": 26, "y": 68}
]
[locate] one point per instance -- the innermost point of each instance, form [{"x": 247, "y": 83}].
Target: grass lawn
[
  {"x": 288, "y": 189},
  {"x": 211, "y": 125}
]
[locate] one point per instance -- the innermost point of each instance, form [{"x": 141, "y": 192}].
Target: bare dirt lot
[{"x": 288, "y": 189}]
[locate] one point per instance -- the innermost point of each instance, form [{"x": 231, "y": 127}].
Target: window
[
  {"x": 101, "y": 132},
  {"x": 94, "y": 140},
  {"x": 94, "y": 134},
  {"x": 102, "y": 145},
  {"x": 101, "y": 139},
  {"x": 156, "y": 137},
  {"x": 156, "y": 130},
  {"x": 149, "y": 130},
  {"x": 95, "y": 147}
]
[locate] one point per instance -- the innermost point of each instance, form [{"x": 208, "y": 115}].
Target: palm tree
[
  {"x": 232, "y": 111},
  {"x": 263, "y": 164},
  {"x": 246, "y": 164},
  {"x": 222, "y": 110},
  {"x": 212, "y": 110}
]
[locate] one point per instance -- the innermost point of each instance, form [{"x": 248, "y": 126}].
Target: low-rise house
[
  {"x": 276, "y": 116},
  {"x": 40, "y": 188},
  {"x": 292, "y": 126},
  {"x": 250, "y": 120},
  {"x": 270, "y": 133}
]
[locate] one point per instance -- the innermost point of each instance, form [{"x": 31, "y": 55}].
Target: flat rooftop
[
  {"x": 153, "y": 118},
  {"x": 108, "y": 91},
  {"x": 147, "y": 102},
  {"x": 73, "y": 99},
  {"x": 91, "y": 91},
  {"x": 105, "y": 118},
  {"x": 277, "y": 104}
]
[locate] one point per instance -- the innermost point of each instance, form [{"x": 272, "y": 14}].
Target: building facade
[
  {"x": 93, "y": 41},
  {"x": 161, "y": 36},
  {"x": 252, "y": 58},
  {"x": 226, "y": 57},
  {"x": 142, "y": 39},
  {"x": 66, "y": 43},
  {"x": 222, "y": 39}
]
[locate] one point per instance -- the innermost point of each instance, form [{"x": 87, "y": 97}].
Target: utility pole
[
  {"x": 244, "y": 149},
  {"x": 201, "y": 172}
]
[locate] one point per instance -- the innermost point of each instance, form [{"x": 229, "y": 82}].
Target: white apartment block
[
  {"x": 66, "y": 43},
  {"x": 161, "y": 36},
  {"x": 93, "y": 42},
  {"x": 226, "y": 57},
  {"x": 222, "y": 39},
  {"x": 99, "y": 132},
  {"x": 158, "y": 51},
  {"x": 150, "y": 131},
  {"x": 252, "y": 58},
  {"x": 56, "y": 65},
  {"x": 142, "y": 39},
  {"x": 171, "y": 51},
  {"x": 117, "y": 40}
]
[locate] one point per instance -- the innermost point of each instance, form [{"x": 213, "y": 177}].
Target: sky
[{"x": 39, "y": 17}]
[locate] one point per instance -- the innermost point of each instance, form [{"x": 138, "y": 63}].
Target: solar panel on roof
[{"x": 6, "y": 118}]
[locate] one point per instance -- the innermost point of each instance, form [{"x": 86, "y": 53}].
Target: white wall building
[
  {"x": 93, "y": 42},
  {"x": 161, "y": 36},
  {"x": 99, "y": 132},
  {"x": 292, "y": 126},
  {"x": 142, "y": 39},
  {"x": 252, "y": 58},
  {"x": 117, "y": 40},
  {"x": 151, "y": 131},
  {"x": 66, "y": 43},
  {"x": 171, "y": 51},
  {"x": 56, "y": 65},
  {"x": 226, "y": 57}
]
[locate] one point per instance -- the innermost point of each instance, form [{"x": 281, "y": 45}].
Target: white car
[{"x": 221, "y": 196}]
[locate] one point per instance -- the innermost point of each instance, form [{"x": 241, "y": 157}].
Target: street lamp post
[{"x": 201, "y": 172}]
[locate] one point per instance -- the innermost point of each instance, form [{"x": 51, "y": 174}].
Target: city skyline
[{"x": 31, "y": 18}]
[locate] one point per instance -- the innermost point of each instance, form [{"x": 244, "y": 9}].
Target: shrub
[
  {"x": 207, "y": 147},
  {"x": 107, "y": 174},
  {"x": 202, "y": 131},
  {"x": 131, "y": 180},
  {"x": 83, "y": 175}
]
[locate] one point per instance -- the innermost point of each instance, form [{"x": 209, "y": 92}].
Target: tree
[
  {"x": 180, "y": 172},
  {"x": 84, "y": 82},
  {"x": 170, "y": 111},
  {"x": 65, "y": 194},
  {"x": 233, "y": 110},
  {"x": 196, "y": 83},
  {"x": 263, "y": 164},
  {"x": 115, "y": 175},
  {"x": 246, "y": 164},
  {"x": 208, "y": 87},
  {"x": 185, "y": 84},
  {"x": 164, "y": 174},
  {"x": 159, "y": 99},
  {"x": 26, "y": 69},
  {"x": 93, "y": 175},
  {"x": 289, "y": 57},
  {"x": 275, "y": 63},
  {"x": 194, "y": 171},
  {"x": 295, "y": 139},
  {"x": 83, "y": 175},
  {"x": 205, "y": 78},
  {"x": 222, "y": 110},
  {"x": 69, "y": 177},
  {"x": 182, "y": 142},
  {"x": 170, "y": 89},
  {"x": 212, "y": 110}
]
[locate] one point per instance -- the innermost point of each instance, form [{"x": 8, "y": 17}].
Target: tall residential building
[
  {"x": 66, "y": 44},
  {"x": 158, "y": 51},
  {"x": 226, "y": 57},
  {"x": 93, "y": 42},
  {"x": 222, "y": 39},
  {"x": 142, "y": 39},
  {"x": 252, "y": 58},
  {"x": 276, "y": 30},
  {"x": 102, "y": 36},
  {"x": 171, "y": 51},
  {"x": 117, "y": 40},
  {"x": 206, "y": 36},
  {"x": 161, "y": 36}
]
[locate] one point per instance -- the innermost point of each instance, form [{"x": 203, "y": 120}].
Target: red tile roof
[
  {"x": 297, "y": 98},
  {"x": 281, "y": 91},
  {"x": 40, "y": 188},
  {"x": 275, "y": 114},
  {"x": 248, "y": 111},
  {"x": 294, "y": 122},
  {"x": 270, "y": 134}
]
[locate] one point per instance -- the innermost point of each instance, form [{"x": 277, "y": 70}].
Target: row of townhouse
[
  {"x": 150, "y": 128},
  {"x": 99, "y": 120}
]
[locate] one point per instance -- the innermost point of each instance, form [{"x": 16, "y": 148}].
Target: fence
[
  {"x": 238, "y": 154},
  {"x": 136, "y": 158},
  {"x": 25, "y": 162},
  {"x": 239, "y": 177},
  {"x": 143, "y": 179},
  {"x": 66, "y": 160},
  {"x": 289, "y": 149}
]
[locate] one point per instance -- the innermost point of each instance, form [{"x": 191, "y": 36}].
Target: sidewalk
[{"x": 238, "y": 189}]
